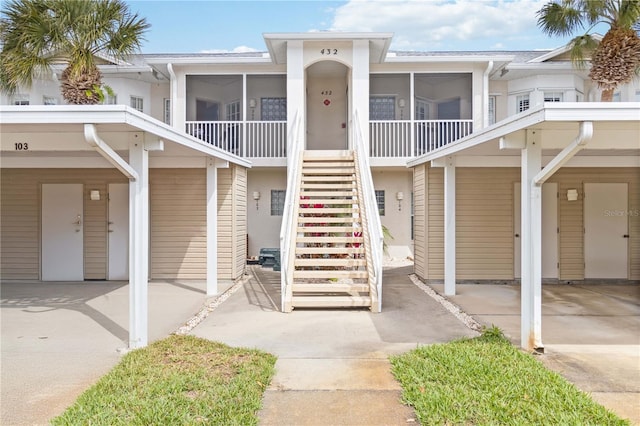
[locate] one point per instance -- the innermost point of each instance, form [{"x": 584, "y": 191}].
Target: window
[
  {"x": 167, "y": 111},
  {"x": 617, "y": 97},
  {"x": 277, "y": 202},
  {"x": 522, "y": 103},
  {"x": 553, "y": 96},
  {"x": 110, "y": 99},
  {"x": 49, "y": 100},
  {"x": 137, "y": 103},
  {"x": 492, "y": 110},
  {"x": 273, "y": 109},
  {"x": 380, "y": 201},
  {"x": 232, "y": 110},
  {"x": 637, "y": 95},
  {"x": 21, "y": 99},
  {"x": 382, "y": 108}
]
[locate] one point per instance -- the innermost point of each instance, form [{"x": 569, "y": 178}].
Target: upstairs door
[
  {"x": 62, "y": 232},
  {"x": 606, "y": 230},
  {"x": 327, "y": 106},
  {"x": 118, "y": 231}
]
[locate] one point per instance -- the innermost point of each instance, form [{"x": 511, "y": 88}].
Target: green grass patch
[
  {"x": 488, "y": 381},
  {"x": 180, "y": 380}
]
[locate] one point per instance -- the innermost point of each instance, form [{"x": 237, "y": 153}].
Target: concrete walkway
[{"x": 333, "y": 366}]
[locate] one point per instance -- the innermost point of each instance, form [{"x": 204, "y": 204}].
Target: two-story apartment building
[{"x": 309, "y": 147}]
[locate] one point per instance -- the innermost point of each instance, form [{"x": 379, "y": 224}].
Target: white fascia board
[
  {"x": 321, "y": 35},
  {"x": 546, "y": 66},
  {"x": 439, "y": 59},
  {"x": 110, "y": 114},
  {"x": 550, "y": 111},
  {"x": 200, "y": 60}
]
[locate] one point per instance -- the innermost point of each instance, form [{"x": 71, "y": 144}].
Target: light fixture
[
  {"x": 256, "y": 197},
  {"x": 252, "y": 105},
  {"x": 94, "y": 195},
  {"x": 572, "y": 195},
  {"x": 399, "y": 197}
]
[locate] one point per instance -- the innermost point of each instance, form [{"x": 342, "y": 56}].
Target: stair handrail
[
  {"x": 290, "y": 212},
  {"x": 372, "y": 226}
]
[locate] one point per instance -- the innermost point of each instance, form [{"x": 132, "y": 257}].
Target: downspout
[
  {"x": 584, "y": 135},
  {"x": 92, "y": 138},
  {"x": 173, "y": 90},
  {"x": 485, "y": 94}
]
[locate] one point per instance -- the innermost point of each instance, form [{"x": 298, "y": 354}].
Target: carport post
[
  {"x": 138, "y": 243},
  {"x": 450, "y": 227},
  {"x": 531, "y": 220}
]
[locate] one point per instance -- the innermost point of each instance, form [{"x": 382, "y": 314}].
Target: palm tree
[
  {"x": 616, "y": 59},
  {"x": 37, "y": 34}
]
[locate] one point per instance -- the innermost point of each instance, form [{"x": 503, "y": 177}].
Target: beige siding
[
  {"x": 178, "y": 223},
  {"x": 572, "y": 217},
  {"x": 420, "y": 220},
  {"x": 484, "y": 217},
  {"x": 484, "y": 222},
  {"x": 435, "y": 222},
  {"x": 21, "y": 217},
  {"x": 225, "y": 223},
  {"x": 240, "y": 225}
]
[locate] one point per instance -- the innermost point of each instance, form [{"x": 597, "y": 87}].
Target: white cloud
[
  {"x": 446, "y": 24},
  {"x": 239, "y": 49}
]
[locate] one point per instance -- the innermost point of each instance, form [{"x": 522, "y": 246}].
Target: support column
[
  {"x": 450, "y": 227},
  {"x": 138, "y": 243},
  {"x": 212, "y": 227},
  {"x": 531, "y": 236}
]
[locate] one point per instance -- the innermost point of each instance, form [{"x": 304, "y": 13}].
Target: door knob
[{"x": 517, "y": 235}]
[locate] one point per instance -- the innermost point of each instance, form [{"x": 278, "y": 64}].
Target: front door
[
  {"x": 549, "y": 230},
  {"x": 327, "y": 106},
  {"x": 62, "y": 232},
  {"x": 118, "y": 230},
  {"x": 606, "y": 229}
]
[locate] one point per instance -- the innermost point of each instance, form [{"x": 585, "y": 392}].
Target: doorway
[
  {"x": 62, "y": 232},
  {"x": 606, "y": 230},
  {"x": 549, "y": 231},
  {"x": 327, "y": 106},
  {"x": 118, "y": 231}
]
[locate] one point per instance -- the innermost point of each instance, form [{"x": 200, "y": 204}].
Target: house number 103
[
  {"x": 328, "y": 51},
  {"x": 21, "y": 146}
]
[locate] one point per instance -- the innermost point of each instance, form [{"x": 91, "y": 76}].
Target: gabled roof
[{"x": 560, "y": 51}]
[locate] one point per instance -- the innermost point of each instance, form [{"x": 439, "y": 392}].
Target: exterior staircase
[{"x": 330, "y": 262}]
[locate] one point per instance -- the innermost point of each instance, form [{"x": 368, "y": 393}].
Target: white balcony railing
[
  {"x": 396, "y": 139},
  {"x": 387, "y": 139}
]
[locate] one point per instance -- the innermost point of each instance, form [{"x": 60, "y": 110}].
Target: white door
[
  {"x": 606, "y": 230},
  {"x": 62, "y": 235},
  {"x": 549, "y": 231},
  {"x": 118, "y": 231},
  {"x": 327, "y": 106}
]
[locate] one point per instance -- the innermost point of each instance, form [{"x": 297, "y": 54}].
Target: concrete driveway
[{"x": 59, "y": 338}]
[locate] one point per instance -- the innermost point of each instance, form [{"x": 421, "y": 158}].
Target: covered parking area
[
  {"x": 61, "y": 166},
  {"x": 591, "y": 151}
]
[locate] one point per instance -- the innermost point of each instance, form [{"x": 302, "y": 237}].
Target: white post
[
  {"x": 212, "y": 227},
  {"x": 531, "y": 236},
  {"x": 359, "y": 90},
  {"x": 138, "y": 243},
  {"x": 450, "y": 227}
]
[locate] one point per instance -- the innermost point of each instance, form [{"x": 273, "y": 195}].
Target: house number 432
[
  {"x": 21, "y": 146},
  {"x": 328, "y": 51}
]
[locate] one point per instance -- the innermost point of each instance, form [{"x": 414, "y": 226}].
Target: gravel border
[
  {"x": 464, "y": 318},
  {"x": 209, "y": 307}
]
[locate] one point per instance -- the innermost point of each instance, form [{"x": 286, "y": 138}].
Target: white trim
[{"x": 92, "y": 138}]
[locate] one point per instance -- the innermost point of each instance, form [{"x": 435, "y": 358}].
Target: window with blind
[
  {"x": 277, "y": 202},
  {"x": 273, "y": 109},
  {"x": 382, "y": 108},
  {"x": 522, "y": 103}
]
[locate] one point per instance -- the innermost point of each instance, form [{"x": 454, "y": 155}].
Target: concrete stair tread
[
  {"x": 330, "y": 274},
  {"x": 330, "y": 262},
  {"x": 330, "y": 288}
]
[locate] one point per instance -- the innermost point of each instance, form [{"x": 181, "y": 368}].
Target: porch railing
[
  {"x": 399, "y": 139},
  {"x": 387, "y": 139}
]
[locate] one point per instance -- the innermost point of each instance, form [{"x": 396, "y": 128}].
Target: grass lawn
[
  {"x": 181, "y": 380},
  {"x": 488, "y": 381}
]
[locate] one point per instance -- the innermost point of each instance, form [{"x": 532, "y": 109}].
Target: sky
[{"x": 420, "y": 25}]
